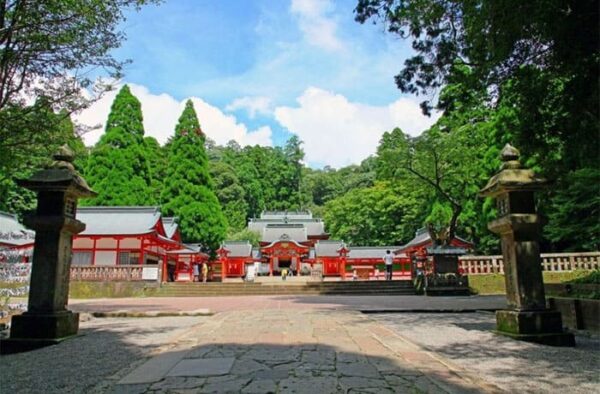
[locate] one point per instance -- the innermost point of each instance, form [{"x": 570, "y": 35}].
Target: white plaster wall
[
  {"x": 106, "y": 258},
  {"x": 83, "y": 243},
  {"x": 130, "y": 243},
  {"x": 106, "y": 243}
]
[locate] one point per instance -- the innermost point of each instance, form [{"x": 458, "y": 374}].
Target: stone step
[
  {"x": 288, "y": 284},
  {"x": 250, "y": 289},
  {"x": 288, "y": 291}
]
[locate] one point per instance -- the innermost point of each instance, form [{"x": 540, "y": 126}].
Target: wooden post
[
  {"x": 94, "y": 252},
  {"x": 118, "y": 251}
]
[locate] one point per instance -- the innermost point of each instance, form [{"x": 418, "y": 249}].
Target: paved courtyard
[{"x": 300, "y": 345}]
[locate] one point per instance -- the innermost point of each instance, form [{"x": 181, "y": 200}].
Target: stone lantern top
[
  {"x": 60, "y": 175},
  {"x": 512, "y": 177}
]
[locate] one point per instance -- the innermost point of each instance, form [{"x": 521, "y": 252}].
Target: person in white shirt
[{"x": 388, "y": 259}]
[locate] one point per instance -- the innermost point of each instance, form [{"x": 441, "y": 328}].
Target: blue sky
[{"x": 261, "y": 70}]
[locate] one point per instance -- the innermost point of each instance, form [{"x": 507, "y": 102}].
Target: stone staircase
[{"x": 396, "y": 287}]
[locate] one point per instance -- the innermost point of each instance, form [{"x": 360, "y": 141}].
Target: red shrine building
[
  {"x": 297, "y": 242},
  {"x": 129, "y": 236},
  {"x": 434, "y": 258}
]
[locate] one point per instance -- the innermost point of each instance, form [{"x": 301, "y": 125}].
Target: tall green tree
[
  {"x": 44, "y": 47},
  {"x": 157, "y": 166},
  {"x": 188, "y": 190},
  {"x": 384, "y": 214},
  {"x": 18, "y": 200},
  {"x": 118, "y": 167},
  {"x": 535, "y": 65},
  {"x": 231, "y": 195}
]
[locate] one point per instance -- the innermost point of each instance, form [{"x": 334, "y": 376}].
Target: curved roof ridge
[
  {"x": 132, "y": 209},
  {"x": 126, "y": 220}
]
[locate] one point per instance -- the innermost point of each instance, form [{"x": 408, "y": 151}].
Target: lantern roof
[
  {"x": 512, "y": 177},
  {"x": 59, "y": 176}
]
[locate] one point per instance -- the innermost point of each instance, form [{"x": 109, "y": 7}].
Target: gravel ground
[
  {"x": 107, "y": 348},
  {"x": 466, "y": 340}
]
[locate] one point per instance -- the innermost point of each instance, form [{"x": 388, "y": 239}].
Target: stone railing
[
  {"x": 107, "y": 273},
  {"x": 477, "y": 265}
]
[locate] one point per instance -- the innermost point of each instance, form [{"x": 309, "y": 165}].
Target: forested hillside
[{"x": 408, "y": 183}]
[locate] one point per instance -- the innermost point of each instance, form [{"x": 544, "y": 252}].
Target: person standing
[
  {"x": 196, "y": 273},
  {"x": 204, "y": 272},
  {"x": 388, "y": 259}
]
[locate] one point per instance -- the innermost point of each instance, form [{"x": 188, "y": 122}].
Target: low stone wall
[
  {"x": 494, "y": 283},
  {"x": 84, "y": 289},
  {"x": 578, "y": 314}
]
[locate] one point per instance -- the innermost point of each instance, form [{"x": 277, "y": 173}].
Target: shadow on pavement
[
  {"x": 110, "y": 350},
  {"x": 468, "y": 340}
]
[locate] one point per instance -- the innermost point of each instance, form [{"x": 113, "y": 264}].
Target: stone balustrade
[
  {"x": 479, "y": 265},
  {"x": 107, "y": 273}
]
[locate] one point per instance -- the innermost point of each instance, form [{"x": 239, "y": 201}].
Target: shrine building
[
  {"x": 129, "y": 236},
  {"x": 298, "y": 242},
  {"x": 429, "y": 258}
]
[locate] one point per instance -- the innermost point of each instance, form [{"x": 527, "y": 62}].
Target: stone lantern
[
  {"x": 519, "y": 227},
  {"x": 47, "y": 320}
]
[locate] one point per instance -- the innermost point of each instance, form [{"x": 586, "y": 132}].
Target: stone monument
[
  {"x": 519, "y": 227},
  {"x": 47, "y": 320}
]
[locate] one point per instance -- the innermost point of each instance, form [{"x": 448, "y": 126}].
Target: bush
[{"x": 593, "y": 277}]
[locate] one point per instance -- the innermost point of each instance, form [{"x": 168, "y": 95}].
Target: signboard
[
  {"x": 150, "y": 273},
  {"x": 250, "y": 273}
]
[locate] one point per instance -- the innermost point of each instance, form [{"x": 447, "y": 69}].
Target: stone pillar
[
  {"x": 519, "y": 227},
  {"x": 47, "y": 320}
]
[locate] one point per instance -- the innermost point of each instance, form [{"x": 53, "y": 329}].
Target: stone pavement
[
  {"x": 291, "y": 351},
  {"x": 284, "y": 344},
  {"x": 294, "y": 302}
]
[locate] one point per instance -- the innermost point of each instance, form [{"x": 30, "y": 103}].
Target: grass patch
[
  {"x": 494, "y": 283},
  {"x": 12, "y": 285},
  {"x": 591, "y": 278}
]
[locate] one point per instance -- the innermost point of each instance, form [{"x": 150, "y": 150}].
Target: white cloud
[
  {"x": 161, "y": 112},
  {"x": 254, "y": 105},
  {"x": 338, "y": 132},
  {"x": 318, "y": 29}
]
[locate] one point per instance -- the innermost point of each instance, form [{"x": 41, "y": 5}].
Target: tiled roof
[
  {"x": 274, "y": 232},
  {"x": 170, "y": 224},
  {"x": 327, "y": 248},
  {"x": 238, "y": 248},
  {"x": 422, "y": 237},
  {"x": 312, "y": 226},
  {"x": 118, "y": 220},
  {"x": 370, "y": 252},
  {"x": 286, "y": 214},
  {"x": 12, "y": 232}
]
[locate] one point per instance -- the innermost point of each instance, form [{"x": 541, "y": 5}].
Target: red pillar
[
  {"x": 94, "y": 252},
  {"x": 270, "y": 266},
  {"x": 118, "y": 247},
  {"x": 141, "y": 258},
  {"x": 223, "y": 267},
  {"x": 165, "y": 268}
]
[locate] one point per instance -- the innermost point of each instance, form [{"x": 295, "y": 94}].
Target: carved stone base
[
  {"x": 544, "y": 327},
  {"x": 34, "y": 330}
]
